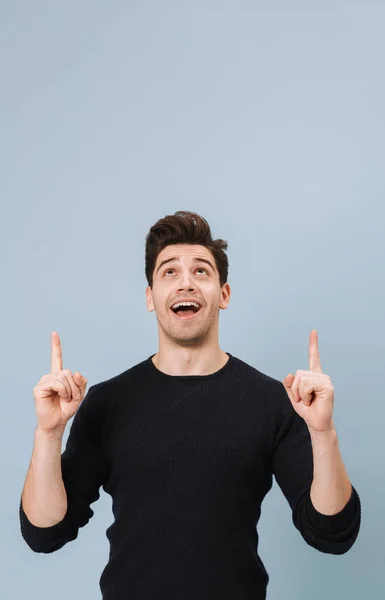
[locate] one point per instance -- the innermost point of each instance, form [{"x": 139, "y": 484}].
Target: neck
[{"x": 190, "y": 361}]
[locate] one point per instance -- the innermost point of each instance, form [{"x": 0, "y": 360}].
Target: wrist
[
  {"x": 329, "y": 433},
  {"x": 49, "y": 434}
]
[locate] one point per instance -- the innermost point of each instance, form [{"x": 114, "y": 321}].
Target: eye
[{"x": 199, "y": 269}]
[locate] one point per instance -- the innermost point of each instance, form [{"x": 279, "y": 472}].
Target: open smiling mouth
[{"x": 185, "y": 313}]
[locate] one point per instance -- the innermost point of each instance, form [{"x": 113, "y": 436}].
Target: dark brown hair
[{"x": 184, "y": 227}]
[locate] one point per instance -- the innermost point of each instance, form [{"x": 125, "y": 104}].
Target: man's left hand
[{"x": 311, "y": 392}]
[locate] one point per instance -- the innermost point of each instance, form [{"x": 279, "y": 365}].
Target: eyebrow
[{"x": 176, "y": 259}]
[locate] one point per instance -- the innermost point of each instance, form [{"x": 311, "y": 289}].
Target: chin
[
  {"x": 188, "y": 342},
  {"x": 185, "y": 336},
  {"x": 191, "y": 337}
]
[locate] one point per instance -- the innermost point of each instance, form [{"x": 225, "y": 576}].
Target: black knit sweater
[{"x": 188, "y": 461}]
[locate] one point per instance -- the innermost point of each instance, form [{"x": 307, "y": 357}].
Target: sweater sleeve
[
  {"x": 292, "y": 466},
  {"x": 84, "y": 470}
]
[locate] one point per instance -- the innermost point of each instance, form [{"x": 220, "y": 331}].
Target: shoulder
[
  {"x": 120, "y": 380},
  {"x": 265, "y": 385},
  {"x": 102, "y": 395},
  {"x": 253, "y": 374}
]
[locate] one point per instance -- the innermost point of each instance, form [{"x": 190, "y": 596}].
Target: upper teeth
[{"x": 185, "y": 304}]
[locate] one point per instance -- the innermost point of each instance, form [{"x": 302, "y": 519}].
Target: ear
[
  {"x": 149, "y": 301},
  {"x": 225, "y": 296}
]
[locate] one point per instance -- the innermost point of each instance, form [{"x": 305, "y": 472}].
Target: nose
[
  {"x": 186, "y": 283},
  {"x": 188, "y": 287}
]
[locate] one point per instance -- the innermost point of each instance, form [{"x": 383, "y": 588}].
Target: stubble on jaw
[{"x": 189, "y": 334}]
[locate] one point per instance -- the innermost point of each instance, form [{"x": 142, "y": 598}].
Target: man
[{"x": 186, "y": 443}]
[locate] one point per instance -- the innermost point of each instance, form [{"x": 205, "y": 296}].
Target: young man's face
[{"x": 187, "y": 277}]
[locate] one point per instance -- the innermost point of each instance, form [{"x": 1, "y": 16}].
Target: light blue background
[{"x": 267, "y": 119}]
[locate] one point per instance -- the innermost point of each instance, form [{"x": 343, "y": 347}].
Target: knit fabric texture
[{"x": 187, "y": 461}]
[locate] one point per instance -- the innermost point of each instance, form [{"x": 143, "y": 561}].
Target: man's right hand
[{"x": 58, "y": 394}]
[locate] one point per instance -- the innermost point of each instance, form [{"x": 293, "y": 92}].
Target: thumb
[
  {"x": 288, "y": 381},
  {"x": 80, "y": 380}
]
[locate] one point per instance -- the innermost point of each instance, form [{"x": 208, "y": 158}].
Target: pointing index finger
[
  {"x": 57, "y": 355},
  {"x": 314, "y": 357}
]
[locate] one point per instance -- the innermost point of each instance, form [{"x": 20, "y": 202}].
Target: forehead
[{"x": 184, "y": 251}]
